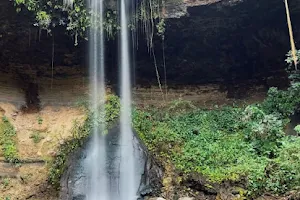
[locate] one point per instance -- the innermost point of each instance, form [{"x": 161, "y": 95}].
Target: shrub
[
  {"x": 228, "y": 144},
  {"x": 36, "y": 136},
  {"x": 282, "y": 103},
  {"x": 263, "y": 131},
  {"x": 180, "y": 106},
  {"x": 281, "y": 174},
  {"x": 40, "y": 120},
  {"x": 10, "y": 152},
  {"x": 7, "y": 140},
  {"x": 297, "y": 129},
  {"x": 79, "y": 134}
]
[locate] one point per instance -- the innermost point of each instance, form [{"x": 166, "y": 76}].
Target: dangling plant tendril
[{"x": 74, "y": 15}]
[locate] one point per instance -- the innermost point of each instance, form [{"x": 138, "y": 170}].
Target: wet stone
[{"x": 147, "y": 175}]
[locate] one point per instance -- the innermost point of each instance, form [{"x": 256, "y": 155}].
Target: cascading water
[
  {"x": 96, "y": 159},
  {"x": 114, "y": 163},
  {"x": 128, "y": 181},
  {"x": 68, "y": 2}
]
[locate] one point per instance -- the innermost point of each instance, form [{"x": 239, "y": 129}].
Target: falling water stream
[
  {"x": 110, "y": 166},
  {"x": 128, "y": 181},
  {"x": 97, "y": 186}
]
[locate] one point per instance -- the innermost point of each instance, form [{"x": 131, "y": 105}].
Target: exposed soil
[{"x": 29, "y": 180}]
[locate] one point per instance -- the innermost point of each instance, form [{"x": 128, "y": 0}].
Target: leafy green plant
[
  {"x": 282, "y": 103},
  {"x": 79, "y": 134},
  {"x": 7, "y": 141},
  {"x": 294, "y": 72},
  {"x": 180, "y": 106},
  {"x": 297, "y": 129},
  {"x": 36, "y": 136},
  {"x": 263, "y": 131},
  {"x": 227, "y": 144},
  {"x": 76, "y": 19},
  {"x": 5, "y": 182},
  {"x": 40, "y": 120},
  {"x": 10, "y": 152},
  {"x": 5, "y": 119},
  {"x": 280, "y": 174}
]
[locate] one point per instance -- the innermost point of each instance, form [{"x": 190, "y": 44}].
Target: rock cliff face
[
  {"x": 179, "y": 8},
  {"x": 223, "y": 41}
]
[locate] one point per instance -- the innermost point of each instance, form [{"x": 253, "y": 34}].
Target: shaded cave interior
[{"x": 228, "y": 45}]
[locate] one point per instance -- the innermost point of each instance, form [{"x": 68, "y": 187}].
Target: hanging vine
[
  {"x": 74, "y": 15},
  {"x": 293, "y": 47}
]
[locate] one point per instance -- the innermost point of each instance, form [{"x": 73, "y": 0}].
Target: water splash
[
  {"x": 97, "y": 186},
  {"x": 68, "y": 3},
  {"x": 128, "y": 181}
]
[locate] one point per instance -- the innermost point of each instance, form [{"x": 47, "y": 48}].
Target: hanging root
[
  {"x": 52, "y": 61},
  {"x": 157, "y": 73},
  {"x": 152, "y": 48},
  {"x": 165, "y": 69},
  {"x": 291, "y": 34}
]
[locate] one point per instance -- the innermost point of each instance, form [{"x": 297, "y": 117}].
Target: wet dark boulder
[{"x": 149, "y": 174}]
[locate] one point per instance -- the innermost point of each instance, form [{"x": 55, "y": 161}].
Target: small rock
[
  {"x": 186, "y": 198},
  {"x": 51, "y": 153},
  {"x": 79, "y": 197}
]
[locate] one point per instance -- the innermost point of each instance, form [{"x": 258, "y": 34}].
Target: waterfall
[
  {"x": 128, "y": 181},
  {"x": 110, "y": 165},
  {"x": 97, "y": 186}
]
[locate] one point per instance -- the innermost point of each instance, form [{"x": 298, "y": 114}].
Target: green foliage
[
  {"x": 282, "y": 103},
  {"x": 263, "y": 131},
  {"x": 5, "y": 182},
  {"x": 36, "y": 136},
  {"x": 294, "y": 72},
  {"x": 76, "y": 19},
  {"x": 228, "y": 144},
  {"x": 289, "y": 60},
  {"x": 180, "y": 106},
  {"x": 280, "y": 174},
  {"x": 49, "y": 14},
  {"x": 58, "y": 165},
  {"x": 201, "y": 141},
  {"x": 10, "y": 152},
  {"x": 7, "y": 141},
  {"x": 297, "y": 129},
  {"x": 40, "y": 120},
  {"x": 79, "y": 133},
  {"x": 112, "y": 108}
]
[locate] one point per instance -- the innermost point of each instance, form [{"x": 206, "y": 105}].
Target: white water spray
[
  {"x": 128, "y": 181},
  {"x": 97, "y": 186},
  {"x": 68, "y": 3}
]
